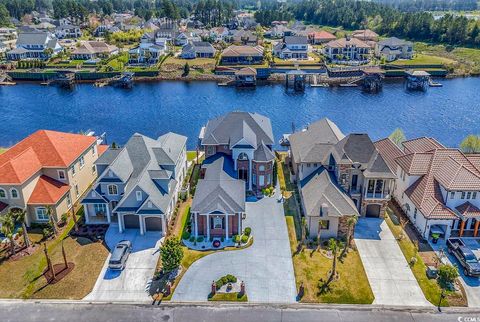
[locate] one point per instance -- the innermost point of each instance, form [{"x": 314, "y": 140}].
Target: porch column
[
  {"x": 142, "y": 225},
  {"x": 374, "y": 188},
  {"x": 462, "y": 227},
  {"x": 250, "y": 172},
  {"x": 87, "y": 215},
  {"x": 208, "y": 227},
  {"x": 366, "y": 189},
  {"x": 108, "y": 213},
  {"x": 239, "y": 229},
  {"x": 164, "y": 226},
  {"x": 196, "y": 225},
  {"x": 120, "y": 223},
  {"x": 475, "y": 232},
  {"x": 226, "y": 226}
]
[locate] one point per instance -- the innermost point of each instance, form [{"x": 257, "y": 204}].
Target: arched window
[
  {"x": 242, "y": 156},
  {"x": 14, "y": 193},
  {"x": 3, "y": 194},
  {"x": 112, "y": 189}
]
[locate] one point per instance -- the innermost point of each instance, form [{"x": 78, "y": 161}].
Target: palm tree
[
  {"x": 7, "y": 223},
  {"x": 334, "y": 245},
  {"x": 20, "y": 217},
  {"x": 351, "y": 222},
  {"x": 319, "y": 232},
  {"x": 52, "y": 220}
]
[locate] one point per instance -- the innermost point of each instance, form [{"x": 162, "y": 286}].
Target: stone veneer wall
[
  {"x": 344, "y": 173},
  {"x": 342, "y": 226},
  {"x": 382, "y": 203}
]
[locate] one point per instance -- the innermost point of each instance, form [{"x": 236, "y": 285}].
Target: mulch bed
[
  {"x": 93, "y": 232},
  {"x": 60, "y": 272}
]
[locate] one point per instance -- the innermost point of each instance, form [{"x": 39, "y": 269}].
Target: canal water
[{"x": 448, "y": 113}]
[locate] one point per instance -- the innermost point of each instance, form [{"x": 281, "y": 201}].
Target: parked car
[
  {"x": 468, "y": 260},
  {"x": 120, "y": 254}
]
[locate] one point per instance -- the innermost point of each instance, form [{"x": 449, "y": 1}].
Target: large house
[
  {"x": 329, "y": 167},
  {"x": 393, "y": 48},
  {"x": 365, "y": 35},
  {"x": 347, "y": 50},
  {"x": 47, "y": 169},
  {"x": 152, "y": 46},
  {"x": 246, "y": 139},
  {"x": 437, "y": 187},
  {"x": 198, "y": 49},
  {"x": 242, "y": 55},
  {"x": 68, "y": 31},
  {"x": 138, "y": 184},
  {"x": 92, "y": 50},
  {"x": 218, "y": 206},
  {"x": 320, "y": 37},
  {"x": 34, "y": 45},
  {"x": 295, "y": 47}
]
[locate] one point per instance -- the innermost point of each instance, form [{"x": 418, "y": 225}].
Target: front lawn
[
  {"x": 424, "y": 59},
  {"x": 23, "y": 278},
  {"x": 430, "y": 287},
  {"x": 311, "y": 266},
  {"x": 228, "y": 297}
]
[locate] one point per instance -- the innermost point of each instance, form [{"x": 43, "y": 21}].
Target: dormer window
[
  {"x": 139, "y": 195},
  {"x": 61, "y": 175},
  {"x": 112, "y": 189}
]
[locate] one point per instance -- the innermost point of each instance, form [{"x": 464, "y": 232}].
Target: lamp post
[{"x": 442, "y": 296}]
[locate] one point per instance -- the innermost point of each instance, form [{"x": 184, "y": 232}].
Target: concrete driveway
[
  {"x": 390, "y": 277},
  {"x": 131, "y": 283},
  {"x": 470, "y": 284},
  {"x": 265, "y": 267}
]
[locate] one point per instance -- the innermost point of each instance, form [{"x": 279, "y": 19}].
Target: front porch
[
  {"x": 216, "y": 225},
  {"x": 99, "y": 213}
]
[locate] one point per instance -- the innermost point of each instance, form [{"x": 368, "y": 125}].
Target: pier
[
  {"x": 417, "y": 80},
  {"x": 296, "y": 80},
  {"x": 125, "y": 80},
  {"x": 64, "y": 79}
]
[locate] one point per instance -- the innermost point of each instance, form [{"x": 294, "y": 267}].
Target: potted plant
[{"x": 435, "y": 237}]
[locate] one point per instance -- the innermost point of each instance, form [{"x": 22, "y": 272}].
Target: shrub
[
  {"x": 64, "y": 217},
  {"x": 244, "y": 239},
  {"x": 200, "y": 239},
  {"x": 186, "y": 235},
  {"x": 172, "y": 254},
  {"x": 225, "y": 280},
  {"x": 447, "y": 274},
  {"x": 236, "y": 238},
  {"x": 192, "y": 239},
  {"x": 222, "y": 239},
  {"x": 248, "y": 231},
  {"x": 230, "y": 278},
  {"x": 47, "y": 232}
]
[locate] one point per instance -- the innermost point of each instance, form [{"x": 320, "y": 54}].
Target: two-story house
[
  {"x": 437, "y": 187},
  {"x": 347, "y": 50},
  {"x": 247, "y": 139},
  {"x": 68, "y": 31},
  {"x": 152, "y": 46},
  {"x": 138, "y": 184},
  {"x": 338, "y": 176},
  {"x": 393, "y": 48},
  {"x": 295, "y": 47},
  {"x": 34, "y": 45},
  {"x": 45, "y": 169}
]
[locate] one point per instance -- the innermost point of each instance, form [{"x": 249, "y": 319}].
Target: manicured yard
[
  {"x": 228, "y": 297},
  {"x": 200, "y": 62},
  {"x": 23, "y": 278},
  {"x": 192, "y": 155},
  {"x": 425, "y": 59},
  {"x": 430, "y": 287},
  {"x": 311, "y": 266}
]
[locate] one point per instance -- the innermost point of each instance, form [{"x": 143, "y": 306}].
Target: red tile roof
[
  {"x": 48, "y": 191},
  {"x": 389, "y": 151},
  {"x": 422, "y": 144},
  {"x": 322, "y": 35},
  {"x": 41, "y": 149},
  {"x": 415, "y": 164},
  {"x": 468, "y": 210}
]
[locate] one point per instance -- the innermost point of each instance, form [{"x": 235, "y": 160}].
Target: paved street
[
  {"x": 390, "y": 277},
  {"x": 265, "y": 267},
  {"x": 129, "y": 284},
  {"x": 33, "y": 311}
]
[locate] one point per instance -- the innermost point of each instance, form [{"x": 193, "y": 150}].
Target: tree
[
  {"x": 471, "y": 144},
  {"x": 171, "y": 253},
  {"x": 52, "y": 220},
  {"x": 397, "y": 136},
  {"x": 447, "y": 274},
  {"x": 7, "y": 223},
  {"x": 334, "y": 246},
  {"x": 186, "y": 69},
  {"x": 4, "y": 16},
  {"x": 20, "y": 217},
  {"x": 351, "y": 222}
]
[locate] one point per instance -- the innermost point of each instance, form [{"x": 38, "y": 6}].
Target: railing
[{"x": 378, "y": 195}]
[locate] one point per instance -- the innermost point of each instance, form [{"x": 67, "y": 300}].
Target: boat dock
[{"x": 124, "y": 80}]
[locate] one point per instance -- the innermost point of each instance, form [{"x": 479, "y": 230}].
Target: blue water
[{"x": 448, "y": 113}]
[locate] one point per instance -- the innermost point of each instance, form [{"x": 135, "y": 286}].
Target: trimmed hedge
[{"x": 225, "y": 280}]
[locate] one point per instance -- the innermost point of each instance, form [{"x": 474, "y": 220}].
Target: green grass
[
  {"x": 192, "y": 155},
  {"x": 228, "y": 297},
  {"x": 200, "y": 62},
  {"x": 424, "y": 59},
  {"x": 2, "y": 150},
  {"x": 430, "y": 287}
]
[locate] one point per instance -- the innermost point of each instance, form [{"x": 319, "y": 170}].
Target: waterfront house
[
  {"x": 393, "y": 48},
  {"x": 138, "y": 184},
  {"x": 33, "y": 45},
  {"x": 150, "y": 49},
  {"x": 198, "y": 49},
  {"x": 347, "y": 51},
  {"x": 365, "y": 35},
  {"x": 8, "y": 37},
  {"x": 247, "y": 140},
  {"x": 242, "y": 55},
  {"x": 45, "y": 169},
  {"x": 219, "y": 34},
  {"x": 68, "y": 31},
  {"x": 320, "y": 37},
  {"x": 437, "y": 187},
  {"x": 295, "y": 47},
  {"x": 93, "y": 49},
  {"x": 218, "y": 207},
  {"x": 245, "y": 37},
  {"x": 168, "y": 29},
  {"x": 278, "y": 31},
  {"x": 327, "y": 164}
]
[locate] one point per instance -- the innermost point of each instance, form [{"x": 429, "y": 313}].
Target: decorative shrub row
[{"x": 225, "y": 280}]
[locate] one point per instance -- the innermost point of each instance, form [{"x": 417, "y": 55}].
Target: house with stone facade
[
  {"x": 218, "y": 207},
  {"x": 138, "y": 184},
  {"x": 338, "y": 176},
  {"x": 437, "y": 187},
  {"x": 48, "y": 169},
  {"x": 245, "y": 138}
]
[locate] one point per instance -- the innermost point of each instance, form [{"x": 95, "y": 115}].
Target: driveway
[
  {"x": 470, "y": 284},
  {"x": 266, "y": 267},
  {"x": 390, "y": 277},
  {"x": 131, "y": 283}
]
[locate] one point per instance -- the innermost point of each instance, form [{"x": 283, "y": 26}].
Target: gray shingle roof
[
  {"x": 318, "y": 189},
  {"x": 263, "y": 153},
  {"x": 108, "y": 156},
  {"x": 296, "y": 40}
]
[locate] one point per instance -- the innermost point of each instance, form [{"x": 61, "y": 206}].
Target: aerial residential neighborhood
[{"x": 194, "y": 160}]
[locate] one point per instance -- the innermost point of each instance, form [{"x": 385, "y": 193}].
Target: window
[
  {"x": 14, "y": 193},
  {"x": 112, "y": 189},
  {"x": 3, "y": 194},
  {"x": 100, "y": 209},
  {"x": 243, "y": 157},
  {"x": 61, "y": 175},
  {"x": 452, "y": 195},
  {"x": 82, "y": 162},
  {"x": 93, "y": 150},
  {"x": 217, "y": 222},
  {"x": 77, "y": 193},
  {"x": 315, "y": 165},
  {"x": 41, "y": 213},
  {"x": 72, "y": 168},
  {"x": 261, "y": 180},
  {"x": 469, "y": 194},
  {"x": 69, "y": 200},
  {"x": 308, "y": 165},
  {"x": 474, "y": 195},
  {"x": 210, "y": 149},
  {"x": 463, "y": 195},
  {"x": 261, "y": 168},
  {"x": 324, "y": 224},
  {"x": 94, "y": 169},
  {"x": 415, "y": 214},
  {"x": 139, "y": 195},
  {"x": 268, "y": 179}
]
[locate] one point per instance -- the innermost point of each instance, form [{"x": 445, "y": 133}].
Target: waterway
[{"x": 448, "y": 113}]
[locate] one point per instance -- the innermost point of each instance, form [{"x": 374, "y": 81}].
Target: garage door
[
  {"x": 131, "y": 221},
  {"x": 153, "y": 224},
  {"x": 373, "y": 211}
]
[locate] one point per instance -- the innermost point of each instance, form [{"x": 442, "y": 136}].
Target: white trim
[
  {"x": 116, "y": 189},
  {"x": 64, "y": 175},
  {"x": 5, "y": 194},
  {"x": 11, "y": 194},
  {"x": 45, "y": 214},
  {"x": 138, "y": 195}
]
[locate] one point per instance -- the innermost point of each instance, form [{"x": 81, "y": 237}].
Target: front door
[
  {"x": 354, "y": 182},
  {"x": 243, "y": 174}
]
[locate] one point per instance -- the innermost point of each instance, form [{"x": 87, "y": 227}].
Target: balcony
[{"x": 378, "y": 194}]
